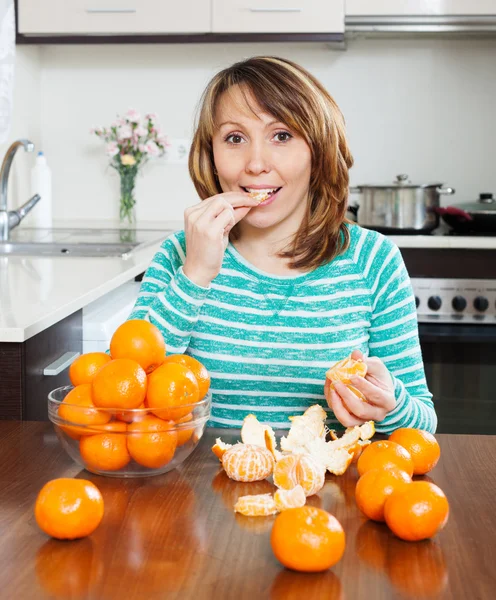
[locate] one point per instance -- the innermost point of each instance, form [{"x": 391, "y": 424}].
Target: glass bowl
[{"x": 128, "y": 443}]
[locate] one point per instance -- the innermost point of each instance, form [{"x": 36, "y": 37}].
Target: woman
[{"x": 269, "y": 295}]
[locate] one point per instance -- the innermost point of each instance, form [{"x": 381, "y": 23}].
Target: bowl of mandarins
[{"x": 134, "y": 412}]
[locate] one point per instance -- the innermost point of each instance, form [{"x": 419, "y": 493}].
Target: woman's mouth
[{"x": 264, "y": 196}]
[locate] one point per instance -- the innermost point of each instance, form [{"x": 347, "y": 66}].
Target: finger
[
  {"x": 342, "y": 415},
  {"x": 225, "y": 221},
  {"x": 358, "y": 408},
  {"x": 236, "y": 199},
  {"x": 373, "y": 392},
  {"x": 240, "y": 213},
  {"x": 357, "y": 355}
]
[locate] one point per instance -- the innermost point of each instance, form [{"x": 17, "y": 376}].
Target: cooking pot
[
  {"x": 399, "y": 207},
  {"x": 479, "y": 216}
]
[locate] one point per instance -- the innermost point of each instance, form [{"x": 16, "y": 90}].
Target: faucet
[{"x": 10, "y": 219}]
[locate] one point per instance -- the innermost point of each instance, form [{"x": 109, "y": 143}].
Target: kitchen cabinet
[
  {"x": 23, "y": 385},
  {"x": 420, "y": 7},
  {"x": 97, "y": 17},
  {"x": 277, "y": 16}
]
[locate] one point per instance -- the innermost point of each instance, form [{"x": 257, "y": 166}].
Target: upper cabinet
[
  {"x": 420, "y": 7},
  {"x": 277, "y": 16},
  {"x": 113, "y": 17}
]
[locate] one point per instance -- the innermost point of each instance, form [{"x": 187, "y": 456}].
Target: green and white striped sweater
[{"x": 268, "y": 340}]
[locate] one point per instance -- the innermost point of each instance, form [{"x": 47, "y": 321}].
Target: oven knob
[
  {"x": 481, "y": 304},
  {"x": 434, "y": 302},
  {"x": 417, "y": 301},
  {"x": 459, "y": 303}
]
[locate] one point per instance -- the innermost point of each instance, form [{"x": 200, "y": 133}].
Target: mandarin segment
[
  {"x": 286, "y": 499},
  {"x": 260, "y": 505},
  {"x": 141, "y": 341},
  {"x": 342, "y": 371},
  {"x": 68, "y": 509},
  {"x": 299, "y": 469},
  {"x": 245, "y": 462},
  {"x": 422, "y": 446},
  {"x": 86, "y": 366},
  {"x": 121, "y": 383}
]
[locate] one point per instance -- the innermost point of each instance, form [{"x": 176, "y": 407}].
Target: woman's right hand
[{"x": 207, "y": 226}]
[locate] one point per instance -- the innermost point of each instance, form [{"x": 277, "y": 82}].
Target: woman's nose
[{"x": 257, "y": 158}]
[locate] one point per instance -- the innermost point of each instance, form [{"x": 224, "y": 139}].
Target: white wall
[
  {"x": 26, "y": 122},
  {"x": 422, "y": 107}
]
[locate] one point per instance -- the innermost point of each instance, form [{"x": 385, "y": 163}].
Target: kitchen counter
[
  {"x": 176, "y": 535},
  {"x": 37, "y": 292}
]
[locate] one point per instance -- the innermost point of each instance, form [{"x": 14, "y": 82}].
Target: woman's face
[{"x": 253, "y": 152}]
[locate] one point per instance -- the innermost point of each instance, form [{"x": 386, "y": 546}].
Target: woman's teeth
[{"x": 262, "y": 194}]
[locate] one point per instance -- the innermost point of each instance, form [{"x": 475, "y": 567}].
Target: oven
[{"x": 455, "y": 293}]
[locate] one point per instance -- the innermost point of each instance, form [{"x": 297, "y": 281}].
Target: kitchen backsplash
[{"x": 422, "y": 107}]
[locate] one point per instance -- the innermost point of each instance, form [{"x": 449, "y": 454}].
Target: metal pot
[
  {"x": 479, "y": 216},
  {"x": 399, "y": 207}
]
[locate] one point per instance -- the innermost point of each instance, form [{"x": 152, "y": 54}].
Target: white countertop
[{"x": 36, "y": 293}]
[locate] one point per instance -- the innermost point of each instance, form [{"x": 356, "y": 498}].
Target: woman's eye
[
  {"x": 234, "y": 138},
  {"x": 283, "y": 136}
]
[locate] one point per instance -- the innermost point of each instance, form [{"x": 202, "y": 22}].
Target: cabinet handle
[
  {"x": 111, "y": 10},
  {"x": 281, "y": 10},
  {"x": 60, "y": 364}
]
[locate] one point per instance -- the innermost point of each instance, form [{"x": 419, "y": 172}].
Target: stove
[{"x": 464, "y": 301}]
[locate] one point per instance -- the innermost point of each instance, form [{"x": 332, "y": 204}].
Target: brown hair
[{"x": 293, "y": 96}]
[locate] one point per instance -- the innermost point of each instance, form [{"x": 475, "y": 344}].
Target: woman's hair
[{"x": 293, "y": 96}]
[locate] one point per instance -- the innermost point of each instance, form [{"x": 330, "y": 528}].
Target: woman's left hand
[{"x": 377, "y": 387}]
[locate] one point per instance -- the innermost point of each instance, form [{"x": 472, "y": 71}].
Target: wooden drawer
[
  {"x": 278, "y": 16},
  {"x": 58, "y": 17},
  {"x": 419, "y": 7}
]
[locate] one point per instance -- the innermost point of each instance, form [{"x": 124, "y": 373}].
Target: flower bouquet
[{"x": 131, "y": 142}]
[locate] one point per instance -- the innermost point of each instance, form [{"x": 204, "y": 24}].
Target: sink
[{"x": 79, "y": 242}]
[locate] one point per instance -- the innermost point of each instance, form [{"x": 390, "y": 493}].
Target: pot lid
[
  {"x": 401, "y": 181},
  {"x": 485, "y": 204}
]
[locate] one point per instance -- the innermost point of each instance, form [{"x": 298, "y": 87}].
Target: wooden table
[{"x": 176, "y": 535}]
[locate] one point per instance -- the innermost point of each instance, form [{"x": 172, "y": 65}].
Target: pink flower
[
  {"x": 133, "y": 115},
  {"x": 142, "y": 148},
  {"x": 151, "y": 116},
  {"x": 152, "y": 149},
  {"x": 124, "y": 132},
  {"x": 163, "y": 141},
  {"x": 140, "y": 131},
  {"x": 112, "y": 149}
]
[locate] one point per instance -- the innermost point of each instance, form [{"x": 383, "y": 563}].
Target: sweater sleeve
[
  {"x": 167, "y": 298},
  {"x": 394, "y": 336}
]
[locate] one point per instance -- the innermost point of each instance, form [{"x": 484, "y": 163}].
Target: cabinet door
[
  {"x": 278, "y": 16},
  {"x": 70, "y": 17},
  {"x": 420, "y": 7}
]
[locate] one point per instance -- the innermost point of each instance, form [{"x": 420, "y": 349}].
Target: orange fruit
[
  {"x": 78, "y": 407},
  {"x": 121, "y": 383},
  {"x": 104, "y": 451},
  {"x": 245, "y": 462},
  {"x": 196, "y": 367},
  {"x": 184, "y": 435},
  {"x": 133, "y": 414},
  {"x": 260, "y": 505},
  {"x": 152, "y": 441},
  {"x": 384, "y": 455},
  {"x": 416, "y": 511},
  {"x": 86, "y": 366},
  {"x": 342, "y": 371},
  {"x": 141, "y": 341},
  {"x": 67, "y": 509},
  {"x": 307, "y": 539},
  {"x": 299, "y": 469},
  {"x": 172, "y": 388},
  {"x": 422, "y": 446},
  {"x": 375, "y": 486}
]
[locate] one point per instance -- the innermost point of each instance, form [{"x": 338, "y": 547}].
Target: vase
[{"x": 127, "y": 208}]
